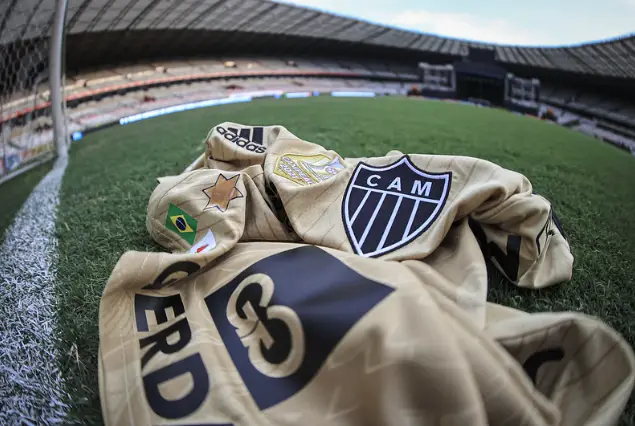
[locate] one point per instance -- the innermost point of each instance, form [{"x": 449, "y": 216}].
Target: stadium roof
[{"x": 112, "y": 31}]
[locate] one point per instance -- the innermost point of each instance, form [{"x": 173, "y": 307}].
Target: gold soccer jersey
[
  {"x": 395, "y": 207},
  {"x": 308, "y": 288}
]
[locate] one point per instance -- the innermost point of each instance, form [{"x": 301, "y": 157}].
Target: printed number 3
[{"x": 272, "y": 334}]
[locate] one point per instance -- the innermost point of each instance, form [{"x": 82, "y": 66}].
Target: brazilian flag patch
[{"x": 182, "y": 223}]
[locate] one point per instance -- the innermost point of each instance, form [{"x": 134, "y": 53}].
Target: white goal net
[{"x": 26, "y": 132}]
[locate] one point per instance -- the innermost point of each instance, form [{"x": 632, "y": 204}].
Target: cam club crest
[{"x": 385, "y": 208}]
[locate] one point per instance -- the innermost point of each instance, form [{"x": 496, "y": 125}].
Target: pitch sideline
[{"x": 31, "y": 385}]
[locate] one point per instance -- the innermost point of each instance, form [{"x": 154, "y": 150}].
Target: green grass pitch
[
  {"x": 112, "y": 173},
  {"x": 15, "y": 192}
]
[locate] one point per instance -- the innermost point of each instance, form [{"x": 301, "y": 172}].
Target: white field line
[{"x": 31, "y": 386}]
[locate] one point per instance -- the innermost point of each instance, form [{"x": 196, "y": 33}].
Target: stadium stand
[
  {"x": 128, "y": 56},
  {"x": 100, "y": 97}
]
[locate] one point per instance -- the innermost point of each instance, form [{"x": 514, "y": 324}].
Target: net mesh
[{"x": 26, "y": 132}]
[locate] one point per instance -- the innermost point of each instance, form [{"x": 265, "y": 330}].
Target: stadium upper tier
[
  {"x": 163, "y": 78},
  {"x": 111, "y": 31},
  {"x": 98, "y": 84}
]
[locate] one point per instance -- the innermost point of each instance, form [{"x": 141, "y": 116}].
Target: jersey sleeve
[
  {"x": 207, "y": 211},
  {"x": 516, "y": 228}
]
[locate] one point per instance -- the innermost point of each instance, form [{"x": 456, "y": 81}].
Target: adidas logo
[{"x": 249, "y": 138}]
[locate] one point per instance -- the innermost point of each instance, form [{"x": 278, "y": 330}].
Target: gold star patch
[{"x": 222, "y": 192}]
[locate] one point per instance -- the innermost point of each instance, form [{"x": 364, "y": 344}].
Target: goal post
[
  {"x": 32, "y": 114},
  {"x": 56, "y": 81}
]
